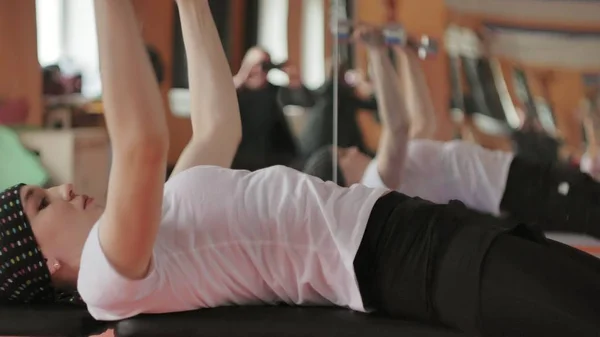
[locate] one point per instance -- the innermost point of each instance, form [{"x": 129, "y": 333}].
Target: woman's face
[{"x": 58, "y": 216}]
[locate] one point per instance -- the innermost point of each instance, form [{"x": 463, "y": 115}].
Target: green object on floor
[{"x": 18, "y": 164}]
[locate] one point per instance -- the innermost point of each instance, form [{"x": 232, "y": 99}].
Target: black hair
[{"x": 320, "y": 165}]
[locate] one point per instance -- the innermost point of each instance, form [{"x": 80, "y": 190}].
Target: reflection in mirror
[
  {"x": 514, "y": 83},
  {"x": 534, "y": 71},
  {"x": 511, "y": 77},
  {"x": 590, "y": 115},
  {"x": 353, "y": 111}
]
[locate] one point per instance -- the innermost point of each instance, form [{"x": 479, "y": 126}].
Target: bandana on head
[{"x": 24, "y": 275}]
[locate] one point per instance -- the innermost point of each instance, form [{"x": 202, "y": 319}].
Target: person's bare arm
[
  {"x": 217, "y": 128},
  {"x": 590, "y": 115},
  {"x": 417, "y": 96},
  {"x": 391, "y": 152},
  {"x": 136, "y": 123}
]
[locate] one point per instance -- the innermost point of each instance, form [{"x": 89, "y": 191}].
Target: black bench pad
[
  {"x": 273, "y": 321},
  {"x": 48, "y": 321}
]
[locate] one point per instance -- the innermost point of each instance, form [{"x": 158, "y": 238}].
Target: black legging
[
  {"x": 530, "y": 289},
  {"x": 553, "y": 196},
  {"x": 450, "y": 266}
]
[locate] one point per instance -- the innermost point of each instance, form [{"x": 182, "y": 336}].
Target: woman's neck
[{"x": 70, "y": 258}]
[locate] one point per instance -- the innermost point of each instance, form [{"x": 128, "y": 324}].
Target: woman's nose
[{"x": 68, "y": 193}]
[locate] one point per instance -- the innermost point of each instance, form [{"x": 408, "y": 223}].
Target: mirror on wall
[
  {"x": 533, "y": 57},
  {"x": 520, "y": 79}
]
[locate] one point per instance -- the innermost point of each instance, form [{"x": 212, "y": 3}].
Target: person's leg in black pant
[
  {"x": 555, "y": 197},
  {"x": 451, "y": 266},
  {"x": 590, "y": 261},
  {"x": 531, "y": 289}
]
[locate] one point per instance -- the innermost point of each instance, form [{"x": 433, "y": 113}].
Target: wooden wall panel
[
  {"x": 237, "y": 32},
  {"x": 430, "y": 17},
  {"x": 371, "y": 12},
  {"x": 327, "y": 31},
  {"x": 20, "y": 74},
  {"x": 566, "y": 92},
  {"x": 294, "y": 33}
]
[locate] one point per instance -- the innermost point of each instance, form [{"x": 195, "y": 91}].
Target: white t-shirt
[
  {"x": 238, "y": 238},
  {"x": 590, "y": 166},
  {"x": 455, "y": 170}
]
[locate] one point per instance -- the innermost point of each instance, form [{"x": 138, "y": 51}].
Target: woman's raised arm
[
  {"x": 136, "y": 123},
  {"x": 413, "y": 86},
  {"x": 395, "y": 121},
  {"x": 215, "y": 112}
]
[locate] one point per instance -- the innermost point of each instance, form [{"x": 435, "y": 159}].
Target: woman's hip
[{"x": 410, "y": 245}]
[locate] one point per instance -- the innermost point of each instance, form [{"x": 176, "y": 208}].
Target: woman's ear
[{"x": 53, "y": 266}]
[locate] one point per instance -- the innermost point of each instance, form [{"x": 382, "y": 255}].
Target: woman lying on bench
[
  {"x": 212, "y": 236},
  {"x": 554, "y": 197}
]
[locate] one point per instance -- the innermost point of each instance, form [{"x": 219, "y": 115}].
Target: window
[
  {"x": 272, "y": 34},
  {"x": 313, "y": 43},
  {"x": 49, "y": 31},
  {"x": 67, "y": 36}
]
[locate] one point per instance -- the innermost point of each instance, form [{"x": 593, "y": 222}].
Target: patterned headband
[{"x": 24, "y": 275}]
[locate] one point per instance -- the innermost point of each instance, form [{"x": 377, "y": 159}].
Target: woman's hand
[{"x": 253, "y": 62}]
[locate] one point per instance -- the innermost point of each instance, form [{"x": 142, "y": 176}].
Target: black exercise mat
[
  {"x": 48, "y": 320},
  {"x": 273, "y": 321}
]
